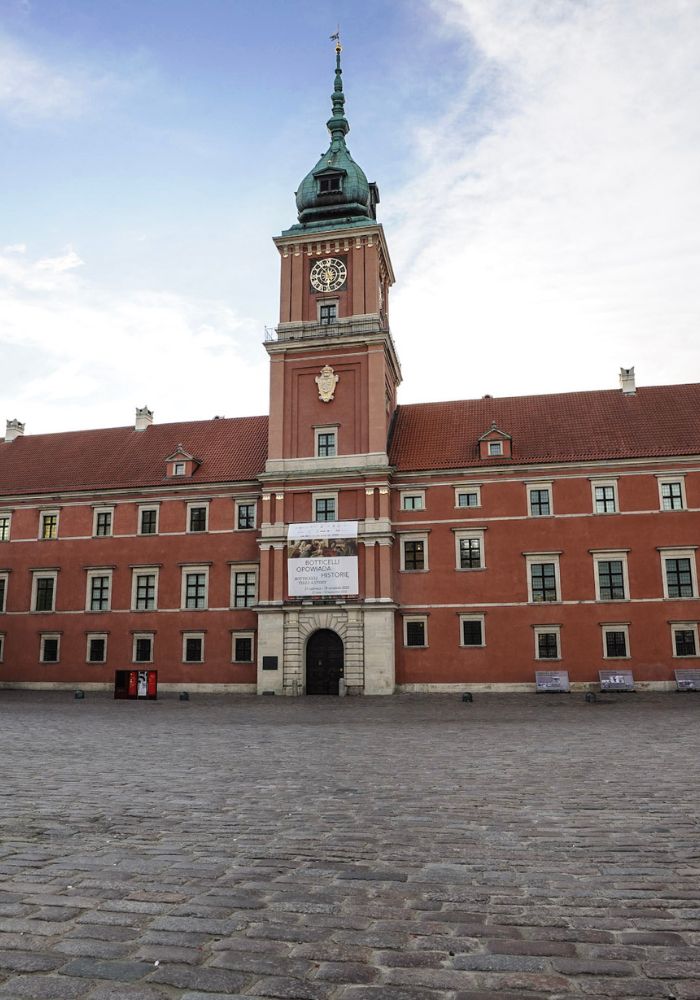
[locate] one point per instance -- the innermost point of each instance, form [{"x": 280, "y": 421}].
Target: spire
[{"x": 338, "y": 124}]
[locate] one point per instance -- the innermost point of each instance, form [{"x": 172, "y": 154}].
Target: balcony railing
[{"x": 352, "y": 327}]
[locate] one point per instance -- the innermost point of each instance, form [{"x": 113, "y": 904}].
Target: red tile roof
[
  {"x": 562, "y": 427},
  {"x": 119, "y": 457}
]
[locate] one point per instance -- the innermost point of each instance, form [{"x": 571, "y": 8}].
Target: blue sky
[{"x": 537, "y": 164}]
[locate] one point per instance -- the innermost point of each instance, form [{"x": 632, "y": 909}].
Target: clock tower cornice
[{"x": 320, "y": 244}]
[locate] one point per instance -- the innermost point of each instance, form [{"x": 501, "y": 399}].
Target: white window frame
[
  {"x": 186, "y": 571},
  {"x": 612, "y": 627},
  {"x": 179, "y": 468},
  {"x": 90, "y": 637},
  {"x": 136, "y": 572},
  {"x": 6, "y": 515},
  {"x": 4, "y": 578},
  {"x": 245, "y": 503},
  {"x": 619, "y": 555},
  {"x": 43, "y": 636},
  {"x": 474, "y": 488},
  {"x": 494, "y": 449},
  {"x": 244, "y": 568},
  {"x": 463, "y": 533},
  {"x": 103, "y": 510},
  {"x": 684, "y": 627},
  {"x": 243, "y": 635},
  {"x": 195, "y": 505},
  {"x": 595, "y": 484},
  {"x": 539, "y": 630},
  {"x": 679, "y": 553},
  {"x": 546, "y": 487},
  {"x": 142, "y": 635},
  {"x": 415, "y": 618},
  {"x": 91, "y": 574},
  {"x": 318, "y": 431},
  {"x": 328, "y": 495},
  {"x": 472, "y": 618},
  {"x": 420, "y": 536},
  {"x": 327, "y": 302},
  {"x": 36, "y": 574},
  {"x": 667, "y": 481},
  {"x": 192, "y": 635},
  {"x": 148, "y": 507},
  {"x": 49, "y": 513},
  {"x": 534, "y": 558},
  {"x": 416, "y": 495}
]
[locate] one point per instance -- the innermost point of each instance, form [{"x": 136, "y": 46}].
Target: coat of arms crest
[{"x": 326, "y": 383}]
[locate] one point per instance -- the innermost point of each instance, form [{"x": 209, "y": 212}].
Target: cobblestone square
[{"x": 409, "y": 848}]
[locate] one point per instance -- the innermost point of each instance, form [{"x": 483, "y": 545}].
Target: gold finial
[{"x": 336, "y": 38}]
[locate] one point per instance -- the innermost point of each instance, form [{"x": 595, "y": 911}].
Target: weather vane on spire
[{"x": 336, "y": 38}]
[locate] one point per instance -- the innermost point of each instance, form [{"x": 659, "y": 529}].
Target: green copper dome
[{"x": 336, "y": 193}]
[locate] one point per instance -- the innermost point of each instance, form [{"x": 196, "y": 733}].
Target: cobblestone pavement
[{"x": 405, "y": 848}]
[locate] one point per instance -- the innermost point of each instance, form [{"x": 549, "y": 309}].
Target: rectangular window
[
  {"x": 672, "y": 494},
  {"x": 615, "y": 642},
  {"x": 415, "y": 631},
  {"x": 50, "y": 648},
  {"x": 44, "y": 592},
  {"x": 495, "y": 447},
  {"x": 245, "y": 515},
  {"x": 679, "y": 578},
  {"x": 48, "y": 525},
  {"x": 685, "y": 640},
  {"x": 327, "y": 313},
  {"x": 325, "y": 508},
  {"x": 472, "y": 630},
  {"x": 4, "y": 527},
  {"x": 469, "y": 552},
  {"x": 103, "y": 523},
  {"x": 197, "y": 518},
  {"x": 413, "y": 501},
  {"x": 143, "y": 649},
  {"x": 148, "y": 520},
  {"x": 605, "y": 498},
  {"x": 467, "y": 498},
  {"x": 611, "y": 580},
  {"x": 543, "y": 581},
  {"x": 178, "y": 468},
  {"x": 99, "y": 586},
  {"x": 3, "y": 592},
  {"x": 96, "y": 648},
  {"x": 243, "y": 648},
  {"x": 413, "y": 551},
  {"x": 144, "y": 591},
  {"x": 244, "y": 588},
  {"x": 539, "y": 500},
  {"x": 196, "y": 590},
  {"x": 329, "y": 185},
  {"x": 193, "y": 649},
  {"x": 547, "y": 643},
  {"x": 325, "y": 444}
]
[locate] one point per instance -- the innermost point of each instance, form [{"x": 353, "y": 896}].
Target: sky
[{"x": 538, "y": 163}]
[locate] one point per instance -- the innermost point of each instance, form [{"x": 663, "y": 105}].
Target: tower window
[
  {"x": 327, "y": 313},
  {"x": 329, "y": 185}
]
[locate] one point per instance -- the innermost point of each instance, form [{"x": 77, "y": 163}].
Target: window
[
  {"x": 243, "y": 647},
  {"x": 414, "y": 553},
  {"x": 148, "y": 520},
  {"x": 495, "y": 447},
  {"x": 467, "y": 496},
  {"x": 197, "y": 517},
  {"x": 327, "y": 313},
  {"x": 329, "y": 185},
  {"x": 679, "y": 573},
  {"x": 102, "y": 522},
  {"x": 470, "y": 546},
  {"x": 44, "y": 591},
  {"x": 604, "y": 497},
  {"x": 99, "y": 590},
  {"x": 543, "y": 578},
  {"x": 547, "y": 642},
  {"x": 685, "y": 638},
  {"x": 5, "y": 527},
  {"x": 415, "y": 631},
  {"x": 96, "y": 648},
  {"x": 245, "y": 515},
  {"x": 539, "y": 499},
  {"x": 195, "y": 585},
  {"x": 615, "y": 641},
  {"x": 413, "y": 500},
  {"x": 244, "y": 587},
  {"x": 611, "y": 582},
  {"x": 144, "y": 589},
  {"x": 672, "y": 494},
  {"x": 50, "y": 649},
  {"x": 178, "y": 468},
  {"x": 325, "y": 507},
  {"x": 193, "y": 647},
  {"x": 3, "y": 591},
  {"x": 472, "y": 630},
  {"x": 48, "y": 524},
  {"x": 326, "y": 442},
  {"x": 143, "y": 648}
]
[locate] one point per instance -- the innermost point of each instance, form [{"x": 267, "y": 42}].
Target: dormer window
[
  {"x": 331, "y": 184},
  {"x": 178, "y": 468},
  {"x": 181, "y": 463},
  {"x": 495, "y": 447},
  {"x": 495, "y": 443}
]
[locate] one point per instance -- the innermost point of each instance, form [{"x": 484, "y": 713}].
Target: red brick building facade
[{"x": 460, "y": 545}]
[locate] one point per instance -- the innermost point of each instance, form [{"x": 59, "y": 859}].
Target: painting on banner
[{"x": 322, "y": 559}]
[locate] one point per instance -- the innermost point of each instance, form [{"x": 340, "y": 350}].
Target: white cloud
[
  {"x": 552, "y": 232},
  {"x": 82, "y": 355}
]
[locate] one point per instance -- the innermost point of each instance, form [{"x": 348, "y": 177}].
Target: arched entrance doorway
[{"x": 324, "y": 662}]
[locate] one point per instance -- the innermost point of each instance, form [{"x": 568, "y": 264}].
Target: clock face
[{"x": 328, "y": 274}]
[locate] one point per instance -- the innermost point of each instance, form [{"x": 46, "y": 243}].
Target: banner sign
[{"x": 322, "y": 559}]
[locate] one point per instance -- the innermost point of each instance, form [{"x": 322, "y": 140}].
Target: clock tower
[{"x": 334, "y": 374}]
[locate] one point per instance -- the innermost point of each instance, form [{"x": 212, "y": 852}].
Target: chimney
[
  {"x": 627, "y": 381},
  {"x": 13, "y": 429},
  {"x": 144, "y": 418}
]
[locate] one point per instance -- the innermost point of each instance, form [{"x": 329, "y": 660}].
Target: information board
[
  {"x": 322, "y": 559},
  {"x": 687, "y": 679},
  {"x": 552, "y": 680},
  {"x": 616, "y": 680}
]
